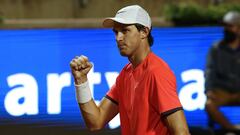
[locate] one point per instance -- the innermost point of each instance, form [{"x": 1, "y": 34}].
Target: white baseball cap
[
  {"x": 232, "y": 17},
  {"x": 130, "y": 15}
]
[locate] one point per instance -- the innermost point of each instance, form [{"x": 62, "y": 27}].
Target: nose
[{"x": 119, "y": 36}]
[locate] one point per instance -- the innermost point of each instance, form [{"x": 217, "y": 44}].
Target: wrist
[{"x": 83, "y": 92}]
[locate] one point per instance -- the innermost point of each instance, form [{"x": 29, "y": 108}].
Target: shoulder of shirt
[
  {"x": 217, "y": 45},
  {"x": 154, "y": 65},
  {"x": 157, "y": 62},
  {"x": 127, "y": 67},
  {"x": 158, "y": 66}
]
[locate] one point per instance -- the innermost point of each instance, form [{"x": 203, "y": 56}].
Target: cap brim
[{"x": 109, "y": 22}]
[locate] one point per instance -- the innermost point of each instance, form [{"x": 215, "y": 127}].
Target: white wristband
[{"x": 83, "y": 92}]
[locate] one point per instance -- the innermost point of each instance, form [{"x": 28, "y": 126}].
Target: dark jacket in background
[{"x": 223, "y": 68}]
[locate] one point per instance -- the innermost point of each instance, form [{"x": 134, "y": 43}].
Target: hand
[{"x": 80, "y": 66}]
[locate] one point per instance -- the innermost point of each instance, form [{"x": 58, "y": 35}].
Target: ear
[{"x": 144, "y": 33}]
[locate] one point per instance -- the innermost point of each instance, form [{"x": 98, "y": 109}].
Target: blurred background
[{"x": 38, "y": 39}]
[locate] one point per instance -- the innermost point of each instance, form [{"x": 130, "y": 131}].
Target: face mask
[{"x": 229, "y": 36}]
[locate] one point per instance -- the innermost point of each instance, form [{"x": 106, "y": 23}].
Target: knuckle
[
  {"x": 80, "y": 59},
  {"x": 85, "y": 57},
  {"x": 72, "y": 64},
  {"x": 74, "y": 60}
]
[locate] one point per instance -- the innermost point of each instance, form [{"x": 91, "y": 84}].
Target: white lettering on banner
[
  {"x": 94, "y": 78},
  {"x": 55, "y": 85},
  {"x": 111, "y": 78},
  {"x": 197, "y": 87},
  {"x": 28, "y": 91},
  {"x": 25, "y": 90}
]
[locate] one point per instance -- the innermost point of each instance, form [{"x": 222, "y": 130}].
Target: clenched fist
[{"x": 80, "y": 66}]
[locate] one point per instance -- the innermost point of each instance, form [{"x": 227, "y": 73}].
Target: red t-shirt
[{"x": 145, "y": 94}]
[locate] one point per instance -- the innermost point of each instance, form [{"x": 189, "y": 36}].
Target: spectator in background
[{"x": 223, "y": 72}]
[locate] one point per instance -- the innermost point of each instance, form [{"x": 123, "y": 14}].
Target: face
[
  {"x": 231, "y": 32},
  {"x": 128, "y": 38},
  {"x": 232, "y": 28}
]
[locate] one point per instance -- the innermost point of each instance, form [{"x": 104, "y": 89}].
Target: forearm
[
  {"x": 95, "y": 116},
  {"x": 90, "y": 111},
  {"x": 181, "y": 129},
  {"x": 92, "y": 115},
  {"x": 180, "y": 132},
  {"x": 177, "y": 123}
]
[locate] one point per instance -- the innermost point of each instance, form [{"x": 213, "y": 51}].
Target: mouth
[
  {"x": 121, "y": 46},
  {"x": 122, "y": 49}
]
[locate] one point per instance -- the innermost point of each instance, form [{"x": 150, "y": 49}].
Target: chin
[{"x": 123, "y": 54}]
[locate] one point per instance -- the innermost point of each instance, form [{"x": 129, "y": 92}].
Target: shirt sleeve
[
  {"x": 210, "y": 71},
  {"x": 164, "y": 96},
  {"x": 113, "y": 93}
]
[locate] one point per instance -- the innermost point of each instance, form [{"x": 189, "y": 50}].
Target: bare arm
[
  {"x": 177, "y": 123},
  {"x": 95, "y": 116}
]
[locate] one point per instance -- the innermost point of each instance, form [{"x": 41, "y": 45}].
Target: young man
[
  {"x": 145, "y": 91},
  {"x": 223, "y": 71}
]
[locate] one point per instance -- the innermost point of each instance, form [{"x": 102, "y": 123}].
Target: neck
[{"x": 139, "y": 55}]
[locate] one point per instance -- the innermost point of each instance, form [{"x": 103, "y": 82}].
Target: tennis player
[{"x": 145, "y": 91}]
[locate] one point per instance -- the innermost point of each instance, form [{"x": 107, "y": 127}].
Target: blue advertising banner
[{"x": 36, "y": 86}]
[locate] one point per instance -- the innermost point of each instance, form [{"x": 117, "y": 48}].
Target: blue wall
[{"x": 36, "y": 86}]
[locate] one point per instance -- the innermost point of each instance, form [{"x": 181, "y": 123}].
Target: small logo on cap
[{"x": 120, "y": 12}]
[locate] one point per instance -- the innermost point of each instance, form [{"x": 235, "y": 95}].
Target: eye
[{"x": 125, "y": 30}]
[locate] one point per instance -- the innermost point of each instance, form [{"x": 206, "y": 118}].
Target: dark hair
[{"x": 150, "y": 37}]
